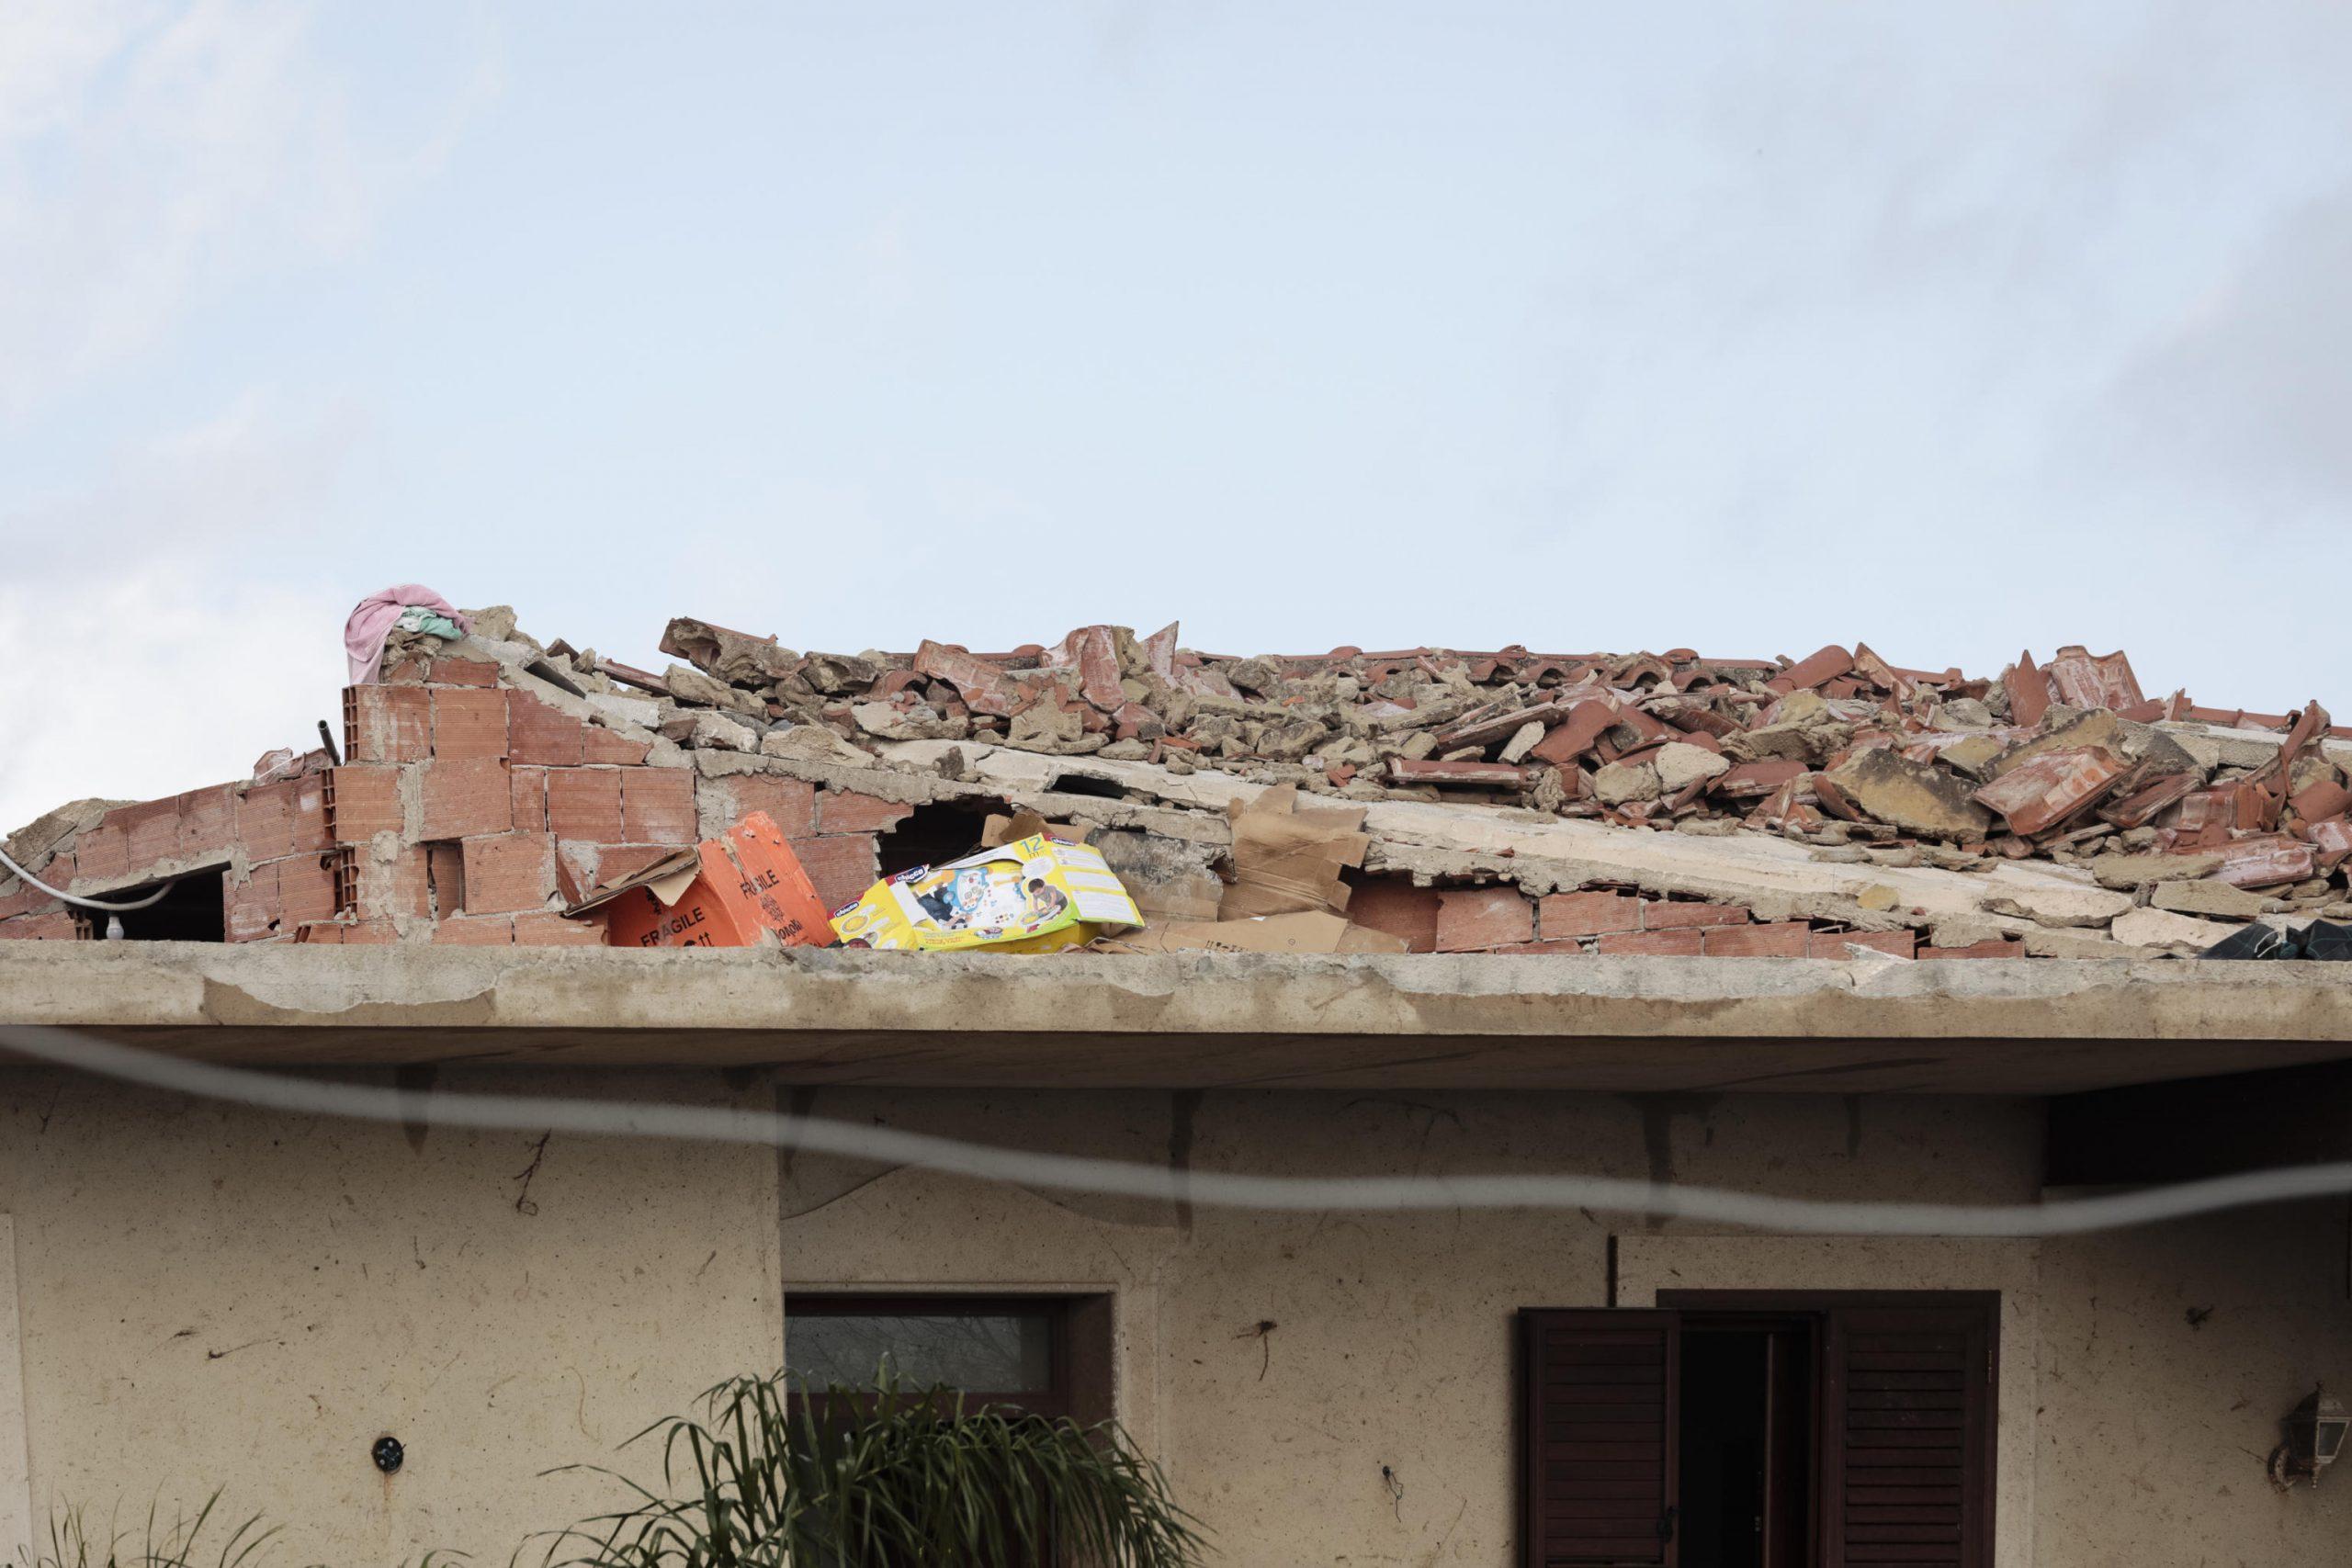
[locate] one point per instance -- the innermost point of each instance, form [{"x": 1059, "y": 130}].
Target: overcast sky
[{"x": 1955, "y": 328}]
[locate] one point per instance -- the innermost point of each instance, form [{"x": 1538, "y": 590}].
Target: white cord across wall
[
  {"x": 1236, "y": 1190},
  {"x": 29, "y": 880}
]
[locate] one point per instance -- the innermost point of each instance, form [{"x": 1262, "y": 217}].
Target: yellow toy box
[{"x": 1034, "y": 895}]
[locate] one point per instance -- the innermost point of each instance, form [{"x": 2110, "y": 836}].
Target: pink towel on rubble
[{"x": 372, "y": 621}]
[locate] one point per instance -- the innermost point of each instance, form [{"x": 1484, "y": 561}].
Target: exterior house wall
[
  {"x": 217, "y": 1296},
  {"x": 214, "y": 1296}
]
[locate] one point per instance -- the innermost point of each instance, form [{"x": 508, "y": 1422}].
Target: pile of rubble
[
  {"x": 1839, "y": 749},
  {"x": 1511, "y": 801}
]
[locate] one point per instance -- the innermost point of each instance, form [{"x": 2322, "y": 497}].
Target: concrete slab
[{"x": 1878, "y": 1025}]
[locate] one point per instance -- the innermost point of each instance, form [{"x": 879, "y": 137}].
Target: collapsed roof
[{"x": 1511, "y": 801}]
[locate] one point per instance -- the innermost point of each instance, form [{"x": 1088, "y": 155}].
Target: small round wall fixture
[{"x": 388, "y": 1454}]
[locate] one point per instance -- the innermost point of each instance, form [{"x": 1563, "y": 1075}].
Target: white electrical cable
[
  {"x": 29, "y": 880},
  {"x": 529, "y": 1113}
]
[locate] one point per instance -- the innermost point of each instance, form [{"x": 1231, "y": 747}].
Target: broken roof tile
[{"x": 2049, "y": 790}]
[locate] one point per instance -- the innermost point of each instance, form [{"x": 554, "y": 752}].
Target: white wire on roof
[
  {"x": 31, "y": 881},
  {"x": 1754, "y": 1211}
]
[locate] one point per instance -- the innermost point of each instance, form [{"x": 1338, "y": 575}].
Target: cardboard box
[
  {"x": 737, "y": 890},
  {"x": 1033, "y": 895}
]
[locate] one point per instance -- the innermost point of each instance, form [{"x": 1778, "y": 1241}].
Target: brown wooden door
[
  {"x": 1908, "y": 1444},
  {"x": 1601, "y": 1390}
]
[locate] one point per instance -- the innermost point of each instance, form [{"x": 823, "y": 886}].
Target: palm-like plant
[
  {"x": 170, "y": 1539},
  {"x": 888, "y": 1477}
]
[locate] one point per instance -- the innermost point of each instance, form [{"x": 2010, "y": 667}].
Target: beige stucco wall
[{"x": 210, "y": 1296}]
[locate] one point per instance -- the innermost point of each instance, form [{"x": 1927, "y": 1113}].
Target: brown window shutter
[
  {"x": 1908, "y": 1439},
  {"x": 1603, "y": 1438}
]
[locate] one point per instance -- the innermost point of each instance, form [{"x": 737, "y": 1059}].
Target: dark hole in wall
[
  {"x": 1078, "y": 783},
  {"x": 939, "y": 831},
  {"x": 445, "y": 877},
  {"x": 194, "y": 910}
]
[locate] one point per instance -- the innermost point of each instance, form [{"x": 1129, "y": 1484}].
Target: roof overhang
[{"x": 1205, "y": 1021}]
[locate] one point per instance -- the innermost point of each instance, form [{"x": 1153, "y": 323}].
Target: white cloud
[
  {"x": 163, "y": 628},
  {"x": 129, "y": 686},
  {"x": 152, "y": 155}
]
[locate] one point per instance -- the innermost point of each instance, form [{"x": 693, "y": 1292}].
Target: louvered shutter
[
  {"x": 1908, "y": 1441},
  {"x": 1602, "y": 1437}
]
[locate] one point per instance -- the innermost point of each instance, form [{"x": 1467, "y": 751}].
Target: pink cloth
[{"x": 372, "y": 621}]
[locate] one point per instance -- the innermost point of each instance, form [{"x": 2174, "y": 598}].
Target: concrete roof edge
[{"x": 178, "y": 986}]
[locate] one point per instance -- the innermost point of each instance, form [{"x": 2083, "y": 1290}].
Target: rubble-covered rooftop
[{"x": 1511, "y": 801}]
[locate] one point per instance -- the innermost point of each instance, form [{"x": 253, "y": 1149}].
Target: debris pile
[
  {"x": 1838, "y": 749},
  {"x": 1503, "y": 801}
]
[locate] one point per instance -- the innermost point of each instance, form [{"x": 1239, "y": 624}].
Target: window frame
[{"x": 1074, "y": 1364}]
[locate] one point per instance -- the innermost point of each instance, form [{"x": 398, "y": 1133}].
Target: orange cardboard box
[{"x": 725, "y": 891}]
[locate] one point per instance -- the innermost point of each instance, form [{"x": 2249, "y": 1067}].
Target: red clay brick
[
  {"x": 846, "y": 811},
  {"x": 509, "y": 873},
  {"x": 468, "y": 723},
  {"x": 102, "y": 854},
  {"x": 1587, "y": 914},
  {"x": 461, "y": 672},
  {"x": 475, "y": 930},
  {"x": 544, "y": 929},
  {"x": 1995, "y": 949},
  {"x": 572, "y": 862},
  {"x": 1660, "y": 914},
  {"x": 347, "y": 933},
  {"x": 537, "y": 733},
  {"x": 1398, "y": 907},
  {"x": 840, "y": 867},
  {"x": 600, "y": 745},
  {"x": 366, "y": 802},
  {"x": 464, "y": 798},
  {"x": 306, "y": 822},
  {"x": 530, "y": 787},
  {"x": 791, "y": 804},
  {"x": 1832, "y": 944},
  {"x": 152, "y": 831},
  {"x": 386, "y": 724},
  {"x": 1780, "y": 939},
  {"x": 1536, "y": 949},
  {"x": 249, "y": 909},
  {"x": 1472, "y": 920},
  {"x": 345, "y": 866},
  {"x": 305, "y": 889},
  {"x": 585, "y": 803},
  {"x": 26, "y": 899},
  {"x": 207, "y": 822},
  {"x": 658, "y": 806},
  {"x": 283, "y": 818},
  {"x": 58, "y": 927},
  {"x": 1679, "y": 945}
]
